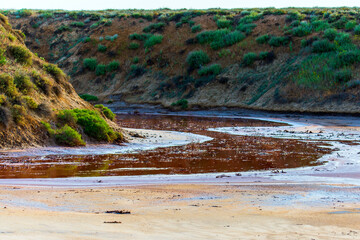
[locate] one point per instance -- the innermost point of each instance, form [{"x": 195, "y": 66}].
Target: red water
[{"x": 226, "y": 153}]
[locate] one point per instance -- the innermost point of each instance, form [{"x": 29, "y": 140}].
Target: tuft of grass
[
  {"x": 23, "y": 83},
  {"x": 30, "y": 102},
  {"x": 21, "y": 54},
  {"x": 196, "y": 59},
  {"x": 102, "y": 48},
  {"x": 276, "y": 41},
  {"x": 263, "y": 39},
  {"x": 134, "y": 46},
  {"x": 322, "y": 46},
  {"x": 196, "y": 28},
  {"x": 66, "y": 135},
  {"x": 113, "y": 66},
  {"x": 330, "y": 34},
  {"x": 154, "y": 27},
  {"x": 90, "y": 63},
  {"x": 18, "y": 113},
  {"x": 214, "y": 69},
  {"x": 41, "y": 82},
  {"x": 249, "y": 58},
  {"x": 8, "y": 86},
  {"x": 153, "y": 40},
  {"x": 100, "y": 70},
  {"x": 3, "y": 59},
  {"x": 182, "y": 103}
]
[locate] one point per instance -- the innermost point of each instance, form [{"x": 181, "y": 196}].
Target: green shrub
[
  {"x": 343, "y": 39},
  {"x": 18, "y": 113},
  {"x": 30, "y": 102},
  {"x": 87, "y": 39},
  {"x": 322, "y": 46},
  {"x": 90, "y": 63},
  {"x": 53, "y": 70},
  {"x": 263, "y": 39},
  {"x": 3, "y": 60},
  {"x": 196, "y": 28},
  {"x": 8, "y": 86},
  {"x": 94, "y": 125},
  {"x": 196, "y": 59},
  {"x": 350, "y": 25},
  {"x": 183, "y": 104},
  {"x": 140, "y": 37},
  {"x": 113, "y": 66},
  {"x": 89, "y": 98},
  {"x": 246, "y": 27},
  {"x": 356, "y": 30},
  {"x": 102, "y": 48},
  {"x": 21, "y": 54},
  {"x": 77, "y": 24},
  {"x": 136, "y": 71},
  {"x": 343, "y": 75},
  {"x": 134, "y": 45},
  {"x": 223, "y": 23},
  {"x": 249, "y": 58},
  {"x": 214, "y": 69},
  {"x": 135, "y": 60},
  {"x": 278, "y": 41},
  {"x": 100, "y": 70},
  {"x": 320, "y": 25},
  {"x": 41, "y": 82},
  {"x": 347, "y": 58},
  {"x": 212, "y": 36},
  {"x": 154, "y": 27},
  {"x": 66, "y": 135},
  {"x": 2, "y": 99},
  {"x": 302, "y": 30},
  {"x": 153, "y": 40},
  {"x": 63, "y": 28},
  {"x": 330, "y": 34},
  {"x": 106, "y": 111},
  {"x": 23, "y": 83}
]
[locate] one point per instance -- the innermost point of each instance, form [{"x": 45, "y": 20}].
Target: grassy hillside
[
  {"x": 36, "y": 98},
  {"x": 273, "y": 59}
]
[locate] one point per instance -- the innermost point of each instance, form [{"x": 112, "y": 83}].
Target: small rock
[
  {"x": 223, "y": 176},
  {"x": 238, "y": 174}
]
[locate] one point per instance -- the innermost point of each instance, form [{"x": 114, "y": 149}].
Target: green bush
[
  {"x": 343, "y": 75},
  {"x": 135, "y": 60},
  {"x": 196, "y": 28},
  {"x": 347, "y": 58},
  {"x": 322, "y": 46},
  {"x": 102, "y": 48},
  {"x": 30, "y": 102},
  {"x": 3, "y": 60},
  {"x": 68, "y": 136},
  {"x": 41, "y": 82},
  {"x": 134, "y": 45},
  {"x": 140, "y": 37},
  {"x": 153, "y": 40},
  {"x": 18, "y": 113},
  {"x": 196, "y": 59},
  {"x": 100, "y": 70},
  {"x": 302, "y": 30},
  {"x": 350, "y": 25},
  {"x": 356, "y": 30},
  {"x": 278, "y": 41},
  {"x": 246, "y": 27},
  {"x": 23, "y": 83},
  {"x": 106, "y": 111},
  {"x": 228, "y": 40},
  {"x": 263, "y": 39},
  {"x": 77, "y": 24},
  {"x": 88, "y": 97},
  {"x": 2, "y": 99},
  {"x": 154, "y": 27},
  {"x": 94, "y": 125},
  {"x": 90, "y": 63},
  {"x": 21, "y": 54},
  {"x": 183, "y": 104},
  {"x": 320, "y": 25},
  {"x": 53, "y": 70},
  {"x": 343, "y": 39},
  {"x": 330, "y": 34},
  {"x": 223, "y": 23},
  {"x": 212, "y": 36},
  {"x": 249, "y": 58},
  {"x": 113, "y": 66},
  {"x": 63, "y": 28},
  {"x": 214, "y": 69},
  {"x": 8, "y": 86}
]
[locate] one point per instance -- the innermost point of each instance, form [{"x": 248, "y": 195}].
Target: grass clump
[
  {"x": 196, "y": 28},
  {"x": 66, "y": 135},
  {"x": 153, "y": 40},
  {"x": 182, "y": 103},
  {"x": 330, "y": 34},
  {"x": 102, "y": 48},
  {"x": 113, "y": 66},
  {"x": 8, "y": 86},
  {"x": 90, "y": 63},
  {"x": 196, "y": 59},
  {"x": 30, "y": 102},
  {"x": 41, "y": 82},
  {"x": 77, "y": 24},
  {"x": 154, "y": 27},
  {"x": 214, "y": 69},
  {"x": 322, "y": 46},
  {"x": 53, "y": 70},
  {"x": 350, "y": 25},
  {"x": 246, "y": 27},
  {"x": 23, "y": 83},
  {"x": 21, "y": 54},
  {"x": 249, "y": 58},
  {"x": 100, "y": 70},
  {"x": 223, "y": 23},
  {"x": 134, "y": 46},
  {"x": 88, "y": 97},
  {"x": 106, "y": 111},
  {"x": 3, "y": 60},
  {"x": 276, "y": 41},
  {"x": 263, "y": 39},
  {"x": 220, "y": 38},
  {"x": 303, "y": 30},
  {"x": 18, "y": 113}
]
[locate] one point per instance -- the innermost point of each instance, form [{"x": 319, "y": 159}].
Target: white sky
[{"x": 154, "y": 4}]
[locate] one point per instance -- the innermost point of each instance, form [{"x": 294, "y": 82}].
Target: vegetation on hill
[
  {"x": 33, "y": 96},
  {"x": 281, "y": 59}
]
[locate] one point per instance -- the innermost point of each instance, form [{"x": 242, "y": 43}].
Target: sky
[{"x": 154, "y": 4}]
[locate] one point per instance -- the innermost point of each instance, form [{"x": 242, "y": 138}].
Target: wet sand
[{"x": 318, "y": 202}]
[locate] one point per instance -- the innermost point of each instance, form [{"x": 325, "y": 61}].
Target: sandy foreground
[{"x": 309, "y": 203}]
